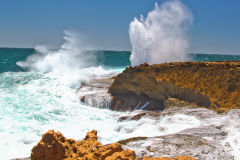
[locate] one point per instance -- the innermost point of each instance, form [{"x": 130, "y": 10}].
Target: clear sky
[{"x": 105, "y": 23}]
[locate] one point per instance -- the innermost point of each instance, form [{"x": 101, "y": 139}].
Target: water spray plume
[
  {"x": 72, "y": 62},
  {"x": 162, "y": 35}
]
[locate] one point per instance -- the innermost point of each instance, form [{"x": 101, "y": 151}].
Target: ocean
[
  {"x": 109, "y": 59},
  {"x": 38, "y": 92}
]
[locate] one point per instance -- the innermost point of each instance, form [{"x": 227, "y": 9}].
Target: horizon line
[{"x": 234, "y": 54}]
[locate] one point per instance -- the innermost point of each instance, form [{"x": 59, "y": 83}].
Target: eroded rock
[
  {"x": 213, "y": 85},
  {"x": 54, "y": 146}
]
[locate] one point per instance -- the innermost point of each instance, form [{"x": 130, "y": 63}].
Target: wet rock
[
  {"x": 202, "y": 83},
  {"x": 95, "y": 93},
  {"x": 138, "y": 115},
  {"x": 132, "y": 102},
  {"x": 200, "y": 143},
  {"x": 166, "y": 158},
  {"x": 216, "y": 136}
]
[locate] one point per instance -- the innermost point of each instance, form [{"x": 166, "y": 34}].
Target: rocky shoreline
[
  {"x": 208, "y": 140},
  {"x": 176, "y": 88},
  {"x": 196, "y": 89},
  {"x": 212, "y": 85}
]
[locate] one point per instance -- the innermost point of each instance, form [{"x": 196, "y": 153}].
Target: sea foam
[{"x": 32, "y": 103}]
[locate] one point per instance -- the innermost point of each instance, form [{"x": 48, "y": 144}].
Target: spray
[
  {"x": 73, "y": 62},
  {"x": 162, "y": 35}
]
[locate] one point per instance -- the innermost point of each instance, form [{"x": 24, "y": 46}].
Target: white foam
[
  {"x": 177, "y": 122},
  {"x": 32, "y": 103},
  {"x": 35, "y": 103},
  {"x": 73, "y": 61}
]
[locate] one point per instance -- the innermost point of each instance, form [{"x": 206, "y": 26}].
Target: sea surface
[
  {"x": 109, "y": 59},
  {"x": 38, "y": 93}
]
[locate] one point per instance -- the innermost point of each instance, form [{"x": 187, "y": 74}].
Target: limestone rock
[
  {"x": 54, "y": 146},
  {"x": 214, "y": 85}
]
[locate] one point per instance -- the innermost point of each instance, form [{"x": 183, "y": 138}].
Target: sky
[{"x": 105, "y": 23}]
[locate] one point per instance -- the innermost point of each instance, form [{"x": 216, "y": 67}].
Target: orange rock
[
  {"x": 214, "y": 85},
  {"x": 124, "y": 155},
  {"x": 54, "y": 146}
]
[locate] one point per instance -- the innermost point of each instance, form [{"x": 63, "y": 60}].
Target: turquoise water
[
  {"x": 108, "y": 59},
  {"x": 33, "y": 101},
  {"x": 10, "y": 56},
  {"x": 214, "y": 57}
]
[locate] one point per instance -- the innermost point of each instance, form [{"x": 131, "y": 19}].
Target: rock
[
  {"x": 213, "y": 85},
  {"x": 95, "y": 93},
  {"x": 54, "y": 146},
  {"x": 166, "y": 158},
  {"x": 139, "y": 114},
  {"x": 201, "y": 143}
]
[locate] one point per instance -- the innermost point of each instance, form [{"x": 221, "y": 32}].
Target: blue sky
[{"x": 105, "y": 23}]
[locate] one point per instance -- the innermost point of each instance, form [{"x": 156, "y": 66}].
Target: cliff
[
  {"x": 54, "y": 146},
  {"x": 214, "y": 85}
]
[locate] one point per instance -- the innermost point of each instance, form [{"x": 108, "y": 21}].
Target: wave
[{"x": 74, "y": 63}]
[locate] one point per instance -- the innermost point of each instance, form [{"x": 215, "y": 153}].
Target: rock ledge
[{"x": 214, "y": 85}]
